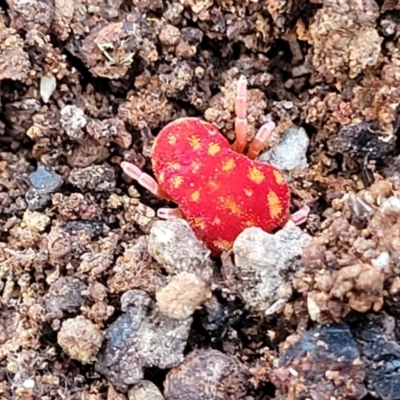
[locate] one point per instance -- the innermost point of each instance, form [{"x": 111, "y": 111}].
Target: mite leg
[
  {"x": 143, "y": 179},
  {"x": 259, "y": 140},
  {"x": 166, "y": 213},
  {"x": 241, "y": 116},
  {"x": 300, "y": 216}
]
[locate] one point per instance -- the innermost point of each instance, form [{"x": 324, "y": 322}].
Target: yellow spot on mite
[
  {"x": 195, "y": 195},
  {"x": 222, "y": 244},
  {"x": 176, "y": 181},
  {"x": 249, "y": 223},
  {"x": 195, "y": 166},
  {"x": 199, "y": 223},
  {"x": 213, "y": 149},
  {"x": 248, "y": 192},
  {"x": 216, "y": 221},
  {"x": 228, "y": 165},
  {"x": 161, "y": 177},
  {"x": 171, "y": 139},
  {"x": 256, "y": 175},
  {"x": 194, "y": 142},
  {"x": 274, "y": 204},
  {"x": 174, "y": 165},
  {"x": 228, "y": 204},
  {"x": 279, "y": 177},
  {"x": 213, "y": 185}
]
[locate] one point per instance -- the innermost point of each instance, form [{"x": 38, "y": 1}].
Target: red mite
[{"x": 219, "y": 190}]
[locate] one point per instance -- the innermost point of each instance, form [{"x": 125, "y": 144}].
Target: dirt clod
[{"x": 80, "y": 339}]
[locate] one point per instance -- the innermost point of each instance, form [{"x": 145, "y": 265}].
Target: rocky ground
[{"x": 96, "y": 303}]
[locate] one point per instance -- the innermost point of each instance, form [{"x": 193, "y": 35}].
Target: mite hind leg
[{"x": 258, "y": 143}]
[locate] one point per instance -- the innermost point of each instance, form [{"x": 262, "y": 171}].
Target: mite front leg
[
  {"x": 259, "y": 140},
  {"x": 241, "y": 116},
  {"x": 143, "y": 179},
  {"x": 263, "y": 133}
]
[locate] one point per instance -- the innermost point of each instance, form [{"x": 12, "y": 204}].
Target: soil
[{"x": 99, "y": 299}]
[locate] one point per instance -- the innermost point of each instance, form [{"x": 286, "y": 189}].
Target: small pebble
[
  {"x": 207, "y": 375},
  {"x": 73, "y": 118},
  {"x": 29, "y": 384},
  {"x": 141, "y": 337},
  {"x": 45, "y": 180},
  {"x": 91, "y": 228},
  {"x": 182, "y": 296},
  {"x": 36, "y": 220},
  {"x": 80, "y": 339},
  {"x": 290, "y": 153},
  {"x": 145, "y": 390},
  {"x": 266, "y": 258},
  {"x": 326, "y": 362},
  {"x": 65, "y": 294},
  {"x": 174, "y": 245},
  {"x": 100, "y": 178},
  {"x": 48, "y": 85},
  {"x": 36, "y": 199},
  {"x": 379, "y": 344},
  {"x": 169, "y": 35}
]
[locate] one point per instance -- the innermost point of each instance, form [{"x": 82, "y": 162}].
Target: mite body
[{"x": 218, "y": 189}]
